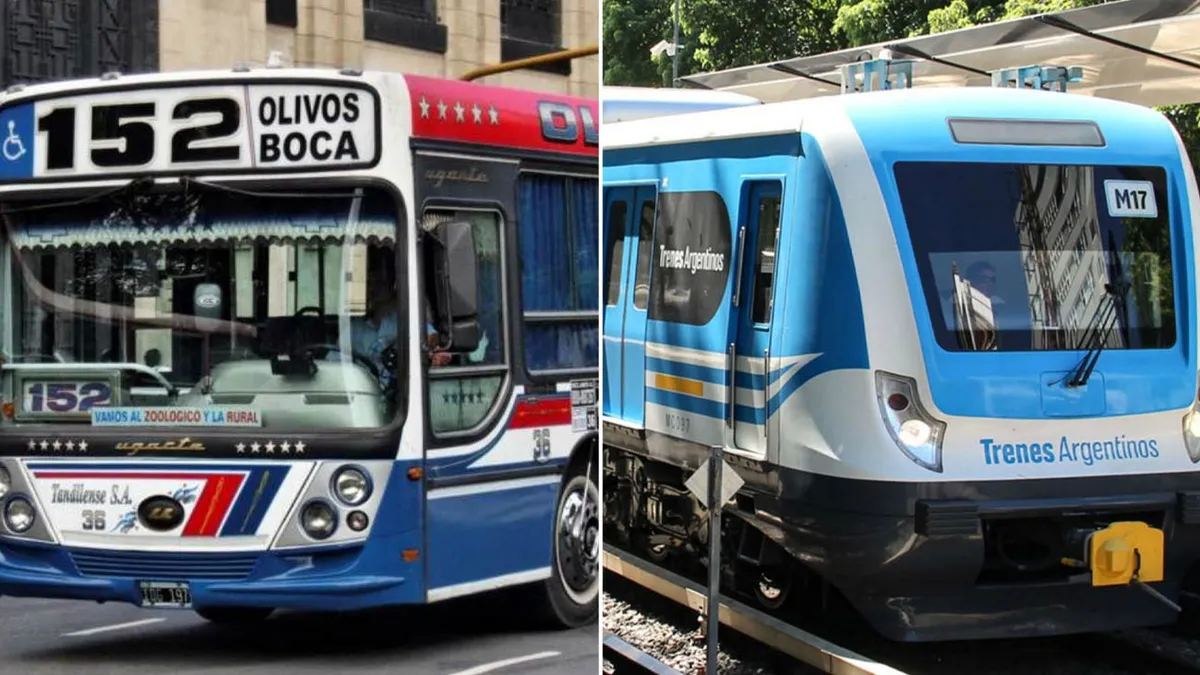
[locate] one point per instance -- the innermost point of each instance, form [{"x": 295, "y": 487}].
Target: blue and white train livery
[{"x": 947, "y": 336}]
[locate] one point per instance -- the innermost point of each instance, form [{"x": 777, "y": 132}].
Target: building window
[
  {"x": 406, "y": 23},
  {"x": 281, "y": 13},
  {"x": 531, "y": 28}
]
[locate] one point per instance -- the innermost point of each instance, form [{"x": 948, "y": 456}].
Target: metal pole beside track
[{"x": 713, "y": 605}]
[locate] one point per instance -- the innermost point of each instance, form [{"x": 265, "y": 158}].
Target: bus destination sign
[{"x": 190, "y": 129}]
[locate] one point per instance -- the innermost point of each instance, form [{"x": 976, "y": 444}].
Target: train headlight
[
  {"x": 917, "y": 434},
  {"x": 18, "y": 515},
  {"x": 351, "y": 486},
  {"x": 5, "y": 482},
  {"x": 1191, "y": 432},
  {"x": 318, "y": 519}
]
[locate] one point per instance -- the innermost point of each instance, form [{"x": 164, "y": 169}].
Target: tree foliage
[{"x": 718, "y": 34}]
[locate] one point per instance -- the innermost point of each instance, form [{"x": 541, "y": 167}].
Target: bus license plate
[{"x": 170, "y": 594}]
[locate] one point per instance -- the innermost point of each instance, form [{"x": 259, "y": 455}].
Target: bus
[{"x": 298, "y": 339}]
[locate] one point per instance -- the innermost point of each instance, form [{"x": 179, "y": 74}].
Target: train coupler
[{"x": 1125, "y": 553}]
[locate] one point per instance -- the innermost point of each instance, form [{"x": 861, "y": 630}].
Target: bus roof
[
  {"x": 1130, "y": 50},
  {"x": 489, "y": 115}
]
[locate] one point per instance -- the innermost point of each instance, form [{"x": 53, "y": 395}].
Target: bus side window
[
  {"x": 560, "y": 271},
  {"x": 767, "y": 218},
  {"x": 462, "y": 391}
]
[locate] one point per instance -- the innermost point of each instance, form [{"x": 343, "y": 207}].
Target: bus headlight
[
  {"x": 351, "y": 486},
  {"x": 318, "y": 519},
  {"x": 19, "y": 515},
  {"x": 916, "y": 433},
  {"x": 5, "y": 482}
]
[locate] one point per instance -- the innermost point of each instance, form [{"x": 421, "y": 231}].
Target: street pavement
[{"x": 469, "y": 636}]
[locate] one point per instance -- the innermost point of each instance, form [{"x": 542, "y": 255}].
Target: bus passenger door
[
  {"x": 754, "y": 380},
  {"x": 629, "y": 211}
]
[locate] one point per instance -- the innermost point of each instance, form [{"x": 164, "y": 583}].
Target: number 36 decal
[{"x": 66, "y": 397}]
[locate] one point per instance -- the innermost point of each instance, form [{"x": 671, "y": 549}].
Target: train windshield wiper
[{"x": 1101, "y": 324}]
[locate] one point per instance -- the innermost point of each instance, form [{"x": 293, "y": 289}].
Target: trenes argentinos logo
[{"x": 1087, "y": 452}]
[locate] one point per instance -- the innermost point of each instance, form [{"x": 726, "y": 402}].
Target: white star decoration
[
  {"x": 57, "y": 445},
  {"x": 460, "y": 111},
  {"x": 269, "y": 447}
]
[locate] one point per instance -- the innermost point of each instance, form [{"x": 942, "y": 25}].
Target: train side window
[
  {"x": 767, "y": 218},
  {"x": 645, "y": 252},
  {"x": 464, "y": 387},
  {"x": 617, "y": 214}
]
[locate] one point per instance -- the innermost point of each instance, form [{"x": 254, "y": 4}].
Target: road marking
[
  {"x": 497, "y": 665},
  {"x": 116, "y": 626}
]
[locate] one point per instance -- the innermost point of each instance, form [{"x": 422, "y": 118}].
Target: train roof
[
  {"x": 624, "y": 104},
  {"x": 928, "y": 103}
]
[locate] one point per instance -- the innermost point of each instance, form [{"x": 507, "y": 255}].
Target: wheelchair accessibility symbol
[{"x": 14, "y": 147}]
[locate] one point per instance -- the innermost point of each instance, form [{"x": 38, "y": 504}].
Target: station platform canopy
[{"x": 1140, "y": 51}]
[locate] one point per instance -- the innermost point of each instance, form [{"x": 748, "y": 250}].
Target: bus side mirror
[{"x": 456, "y": 267}]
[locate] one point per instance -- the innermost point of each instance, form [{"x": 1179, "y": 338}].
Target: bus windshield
[
  {"x": 1016, "y": 257},
  {"x": 205, "y": 306}
]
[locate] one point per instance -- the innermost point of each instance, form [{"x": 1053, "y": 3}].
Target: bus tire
[
  {"x": 572, "y": 593},
  {"x": 234, "y": 615}
]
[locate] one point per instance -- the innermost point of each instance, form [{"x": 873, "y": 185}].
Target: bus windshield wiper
[{"x": 1101, "y": 324}]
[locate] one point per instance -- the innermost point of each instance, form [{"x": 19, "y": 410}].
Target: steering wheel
[
  {"x": 311, "y": 309},
  {"x": 357, "y": 357}
]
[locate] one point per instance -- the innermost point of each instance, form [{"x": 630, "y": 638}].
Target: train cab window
[
  {"x": 767, "y": 217},
  {"x": 645, "y": 252},
  {"x": 617, "y": 215},
  {"x": 464, "y": 387},
  {"x": 1017, "y": 257}
]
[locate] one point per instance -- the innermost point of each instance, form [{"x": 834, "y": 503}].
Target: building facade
[{"x": 57, "y": 39}]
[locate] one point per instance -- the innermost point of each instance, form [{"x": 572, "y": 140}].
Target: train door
[
  {"x": 629, "y": 228},
  {"x": 754, "y": 380}
]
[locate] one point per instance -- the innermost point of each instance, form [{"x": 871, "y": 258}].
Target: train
[{"x": 945, "y": 335}]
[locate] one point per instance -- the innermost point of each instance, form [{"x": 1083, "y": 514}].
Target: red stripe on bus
[
  {"x": 210, "y": 509},
  {"x": 541, "y": 412}
]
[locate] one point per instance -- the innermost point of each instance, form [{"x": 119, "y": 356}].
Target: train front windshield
[
  {"x": 1037, "y": 257},
  {"x": 201, "y": 300}
]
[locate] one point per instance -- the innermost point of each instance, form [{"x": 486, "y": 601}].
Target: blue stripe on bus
[{"x": 259, "y": 491}]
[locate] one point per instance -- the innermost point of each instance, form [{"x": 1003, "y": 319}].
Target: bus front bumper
[{"x": 332, "y": 580}]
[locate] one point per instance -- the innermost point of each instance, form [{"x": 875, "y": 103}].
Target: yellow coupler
[{"x": 1124, "y": 552}]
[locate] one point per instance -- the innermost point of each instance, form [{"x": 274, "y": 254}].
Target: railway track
[
  {"x": 818, "y": 653},
  {"x": 1141, "y": 652}
]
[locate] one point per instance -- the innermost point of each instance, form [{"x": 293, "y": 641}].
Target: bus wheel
[
  {"x": 573, "y": 589},
  {"x": 235, "y": 615}
]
